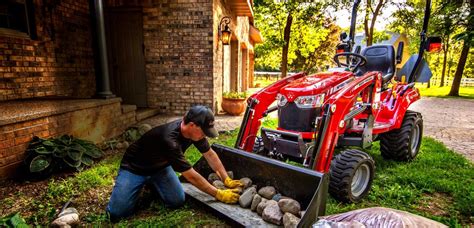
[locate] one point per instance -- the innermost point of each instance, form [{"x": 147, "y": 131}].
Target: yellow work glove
[
  {"x": 228, "y": 182},
  {"x": 227, "y": 195}
]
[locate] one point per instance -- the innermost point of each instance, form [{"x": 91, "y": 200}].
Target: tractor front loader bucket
[{"x": 306, "y": 186}]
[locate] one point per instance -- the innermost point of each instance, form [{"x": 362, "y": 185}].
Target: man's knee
[
  {"x": 115, "y": 214},
  {"x": 175, "y": 201}
]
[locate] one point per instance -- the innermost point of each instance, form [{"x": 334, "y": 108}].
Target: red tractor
[{"x": 360, "y": 101}]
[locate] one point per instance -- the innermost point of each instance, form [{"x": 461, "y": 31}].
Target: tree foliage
[{"x": 312, "y": 34}]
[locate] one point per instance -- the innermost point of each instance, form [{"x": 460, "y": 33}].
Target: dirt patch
[{"x": 436, "y": 204}]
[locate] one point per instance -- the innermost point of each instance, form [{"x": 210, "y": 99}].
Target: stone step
[
  {"x": 144, "y": 113},
  {"x": 128, "y": 108}
]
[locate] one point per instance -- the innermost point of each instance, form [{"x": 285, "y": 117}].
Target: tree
[
  {"x": 445, "y": 19},
  {"x": 466, "y": 37},
  {"x": 371, "y": 15},
  {"x": 289, "y": 28}
]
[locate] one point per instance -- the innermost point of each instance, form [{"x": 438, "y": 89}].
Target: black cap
[{"x": 204, "y": 118}]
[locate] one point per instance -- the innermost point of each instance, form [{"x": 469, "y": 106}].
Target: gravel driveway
[{"x": 450, "y": 121}]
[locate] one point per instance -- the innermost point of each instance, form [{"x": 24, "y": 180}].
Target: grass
[
  {"x": 438, "y": 184},
  {"x": 436, "y": 91},
  {"x": 263, "y": 82}
]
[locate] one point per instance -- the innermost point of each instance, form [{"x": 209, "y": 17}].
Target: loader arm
[
  {"x": 339, "y": 109},
  {"x": 257, "y": 104}
]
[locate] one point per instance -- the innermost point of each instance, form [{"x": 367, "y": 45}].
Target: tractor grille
[{"x": 290, "y": 117}]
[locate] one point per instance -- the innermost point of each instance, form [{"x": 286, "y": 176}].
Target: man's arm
[
  {"x": 197, "y": 180},
  {"x": 215, "y": 163}
]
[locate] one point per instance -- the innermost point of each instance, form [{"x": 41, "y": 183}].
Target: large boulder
[
  {"x": 290, "y": 220},
  {"x": 255, "y": 201},
  {"x": 247, "y": 182},
  {"x": 289, "y": 205},
  {"x": 272, "y": 213},
  {"x": 213, "y": 177},
  {"x": 246, "y": 198},
  {"x": 261, "y": 206},
  {"x": 219, "y": 184},
  {"x": 267, "y": 192}
]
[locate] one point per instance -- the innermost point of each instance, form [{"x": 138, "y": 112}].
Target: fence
[
  {"x": 465, "y": 82},
  {"x": 269, "y": 75}
]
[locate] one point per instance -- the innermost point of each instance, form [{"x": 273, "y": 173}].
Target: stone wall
[
  {"x": 59, "y": 62},
  {"x": 93, "y": 120}
]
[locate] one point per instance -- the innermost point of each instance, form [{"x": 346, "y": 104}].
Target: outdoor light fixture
[{"x": 224, "y": 30}]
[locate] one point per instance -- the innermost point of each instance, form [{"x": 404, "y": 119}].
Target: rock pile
[{"x": 266, "y": 202}]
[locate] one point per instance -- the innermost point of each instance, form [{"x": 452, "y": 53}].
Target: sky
[{"x": 344, "y": 17}]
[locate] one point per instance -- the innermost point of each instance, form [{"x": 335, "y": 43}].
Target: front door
[{"x": 124, "y": 32}]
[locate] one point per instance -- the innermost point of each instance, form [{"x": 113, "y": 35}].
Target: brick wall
[
  {"x": 178, "y": 38},
  {"x": 58, "y": 63},
  {"x": 102, "y": 120}
]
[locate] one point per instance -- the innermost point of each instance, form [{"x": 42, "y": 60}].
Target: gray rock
[
  {"x": 255, "y": 201},
  {"x": 289, "y": 205},
  {"x": 246, "y": 198},
  {"x": 272, "y": 213},
  {"x": 267, "y": 192},
  {"x": 213, "y": 177},
  {"x": 247, "y": 182},
  {"x": 261, "y": 206},
  {"x": 290, "y": 220},
  {"x": 218, "y": 184}
]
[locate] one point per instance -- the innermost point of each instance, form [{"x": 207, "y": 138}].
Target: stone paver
[{"x": 450, "y": 121}]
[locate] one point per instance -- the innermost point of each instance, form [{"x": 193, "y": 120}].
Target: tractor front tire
[
  {"x": 403, "y": 144},
  {"x": 351, "y": 175}
]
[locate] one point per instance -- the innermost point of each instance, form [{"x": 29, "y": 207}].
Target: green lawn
[
  {"x": 436, "y": 91},
  {"x": 438, "y": 184}
]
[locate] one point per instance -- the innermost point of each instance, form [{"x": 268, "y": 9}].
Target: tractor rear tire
[
  {"x": 403, "y": 144},
  {"x": 351, "y": 175}
]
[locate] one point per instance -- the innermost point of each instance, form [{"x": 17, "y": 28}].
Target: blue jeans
[{"x": 128, "y": 185}]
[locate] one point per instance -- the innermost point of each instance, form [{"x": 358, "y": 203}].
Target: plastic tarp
[{"x": 375, "y": 217}]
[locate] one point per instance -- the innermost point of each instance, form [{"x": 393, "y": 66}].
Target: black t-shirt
[{"x": 161, "y": 146}]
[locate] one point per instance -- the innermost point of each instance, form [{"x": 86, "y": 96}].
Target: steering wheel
[{"x": 355, "y": 60}]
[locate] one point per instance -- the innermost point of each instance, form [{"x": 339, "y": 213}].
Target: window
[{"x": 16, "y": 18}]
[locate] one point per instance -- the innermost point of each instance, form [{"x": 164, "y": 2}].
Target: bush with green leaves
[
  {"x": 13, "y": 220},
  {"x": 47, "y": 155},
  {"x": 234, "y": 95}
]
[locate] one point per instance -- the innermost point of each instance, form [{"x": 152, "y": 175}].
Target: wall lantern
[{"x": 224, "y": 30}]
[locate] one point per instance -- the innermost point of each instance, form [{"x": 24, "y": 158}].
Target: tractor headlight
[
  {"x": 281, "y": 100},
  {"x": 310, "y": 101}
]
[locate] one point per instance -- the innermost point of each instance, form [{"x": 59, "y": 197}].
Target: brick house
[{"x": 93, "y": 68}]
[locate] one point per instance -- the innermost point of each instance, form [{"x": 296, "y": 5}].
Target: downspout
[{"x": 102, "y": 69}]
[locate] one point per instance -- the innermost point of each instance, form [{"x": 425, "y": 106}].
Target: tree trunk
[
  {"x": 459, "y": 70},
  {"x": 369, "y": 31},
  {"x": 286, "y": 38},
  {"x": 445, "y": 50},
  {"x": 464, "y": 53}
]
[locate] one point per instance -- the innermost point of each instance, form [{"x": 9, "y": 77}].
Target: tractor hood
[{"x": 327, "y": 82}]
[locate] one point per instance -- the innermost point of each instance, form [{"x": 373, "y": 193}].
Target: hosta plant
[{"x": 47, "y": 155}]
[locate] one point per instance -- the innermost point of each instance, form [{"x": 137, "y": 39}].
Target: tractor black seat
[{"x": 379, "y": 58}]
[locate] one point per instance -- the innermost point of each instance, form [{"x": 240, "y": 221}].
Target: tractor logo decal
[
  {"x": 363, "y": 82},
  {"x": 341, "y": 85}
]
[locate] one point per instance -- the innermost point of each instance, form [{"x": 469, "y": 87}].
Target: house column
[{"x": 102, "y": 70}]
